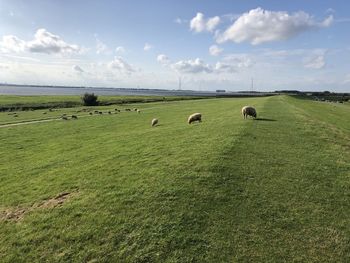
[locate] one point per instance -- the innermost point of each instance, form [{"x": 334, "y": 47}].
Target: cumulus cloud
[
  {"x": 315, "y": 62},
  {"x": 43, "y": 42},
  {"x": 78, "y": 69},
  {"x": 12, "y": 43},
  {"x": 147, "y": 47},
  {"x": 259, "y": 26},
  {"x": 214, "y": 50},
  {"x": 221, "y": 67},
  {"x": 120, "y": 49},
  {"x": 163, "y": 59},
  {"x": 199, "y": 23},
  {"x": 192, "y": 66},
  {"x": 121, "y": 65}
]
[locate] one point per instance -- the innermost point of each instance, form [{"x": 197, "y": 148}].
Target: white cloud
[
  {"x": 120, "y": 49},
  {"x": 214, "y": 50},
  {"x": 43, "y": 42},
  {"x": 239, "y": 60},
  {"x": 100, "y": 47},
  {"x": 12, "y": 43},
  {"x": 192, "y": 66},
  {"x": 121, "y": 65},
  {"x": 46, "y": 42},
  {"x": 163, "y": 59},
  {"x": 199, "y": 23},
  {"x": 78, "y": 69},
  {"x": 315, "y": 62},
  {"x": 221, "y": 67},
  {"x": 147, "y": 47},
  {"x": 259, "y": 26},
  {"x": 180, "y": 21}
]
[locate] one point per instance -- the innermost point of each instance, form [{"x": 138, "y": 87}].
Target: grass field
[
  {"x": 276, "y": 189},
  {"x": 14, "y": 102}
]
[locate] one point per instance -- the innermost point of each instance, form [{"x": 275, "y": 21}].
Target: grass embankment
[
  {"x": 15, "y": 102},
  {"x": 225, "y": 190}
]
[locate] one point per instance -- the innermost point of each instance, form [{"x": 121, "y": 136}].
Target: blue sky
[{"x": 210, "y": 45}]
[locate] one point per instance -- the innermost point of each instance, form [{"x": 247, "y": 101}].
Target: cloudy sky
[{"x": 210, "y": 45}]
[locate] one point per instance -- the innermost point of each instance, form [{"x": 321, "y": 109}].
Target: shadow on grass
[{"x": 264, "y": 119}]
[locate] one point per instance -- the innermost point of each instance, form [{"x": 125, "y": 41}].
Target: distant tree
[{"x": 90, "y": 99}]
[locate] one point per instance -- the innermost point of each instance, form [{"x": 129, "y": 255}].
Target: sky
[{"x": 208, "y": 45}]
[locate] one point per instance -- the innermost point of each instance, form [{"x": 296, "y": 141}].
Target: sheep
[
  {"x": 109, "y": 112},
  {"x": 248, "y": 111},
  {"x": 127, "y": 109},
  {"x": 64, "y": 118},
  {"x": 100, "y": 112},
  {"x": 138, "y": 111},
  {"x": 154, "y": 122},
  {"x": 74, "y": 117},
  {"x": 195, "y": 117},
  {"x": 90, "y": 113},
  {"x": 96, "y": 112},
  {"x": 135, "y": 109},
  {"x": 116, "y": 109}
]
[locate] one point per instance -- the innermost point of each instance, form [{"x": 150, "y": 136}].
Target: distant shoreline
[{"x": 16, "y": 89}]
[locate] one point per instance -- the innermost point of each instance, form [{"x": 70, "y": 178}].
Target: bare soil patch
[{"x": 17, "y": 213}]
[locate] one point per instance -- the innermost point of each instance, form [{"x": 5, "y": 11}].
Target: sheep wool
[
  {"x": 194, "y": 117},
  {"x": 248, "y": 111},
  {"x": 154, "y": 122}
]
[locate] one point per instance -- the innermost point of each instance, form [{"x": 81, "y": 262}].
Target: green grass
[
  {"x": 224, "y": 190},
  {"x": 15, "y": 102}
]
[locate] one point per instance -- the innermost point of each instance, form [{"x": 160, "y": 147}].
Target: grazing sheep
[
  {"x": 64, "y": 118},
  {"x": 109, "y": 112},
  {"x": 44, "y": 112},
  {"x": 127, "y": 109},
  {"x": 74, "y": 117},
  {"x": 154, "y": 122},
  {"x": 248, "y": 111},
  {"x": 15, "y": 115},
  {"x": 100, "y": 112},
  {"x": 138, "y": 111},
  {"x": 195, "y": 117},
  {"x": 96, "y": 111},
  {"x": 135, "y": 109},
  {"x": 116, "y": 109},
  {"x": 90, "y": 113}
]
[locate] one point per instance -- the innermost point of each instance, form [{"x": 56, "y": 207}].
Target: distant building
[{"x": 220, "y": 90}]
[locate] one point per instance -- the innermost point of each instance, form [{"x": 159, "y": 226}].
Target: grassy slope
[
  {"x": 15, "y": 102},
  {"x": 224, "y": 190}
]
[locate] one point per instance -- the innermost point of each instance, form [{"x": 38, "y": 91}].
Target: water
[{"x": 35, "y": 90}]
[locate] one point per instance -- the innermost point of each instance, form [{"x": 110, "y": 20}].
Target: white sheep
[
  {"x": 138, "y": 111},
  {"x": 194, "y": 117},
  {"x": 154, "y": 122},
  {"x": 248, "y": 111}
]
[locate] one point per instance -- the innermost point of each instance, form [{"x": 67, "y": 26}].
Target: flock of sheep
[{"x": 246, "y": 111}]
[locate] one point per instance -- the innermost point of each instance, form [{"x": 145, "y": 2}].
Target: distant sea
[
  {"x": 51, "y": 90},
  {"x": 54, "y": 90}
]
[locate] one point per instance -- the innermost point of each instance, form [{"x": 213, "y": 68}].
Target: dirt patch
[
  {"x": 55, "y": 201},
  {"x": 12, "y": 214},
  {"x": 16, "y": 214}
]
